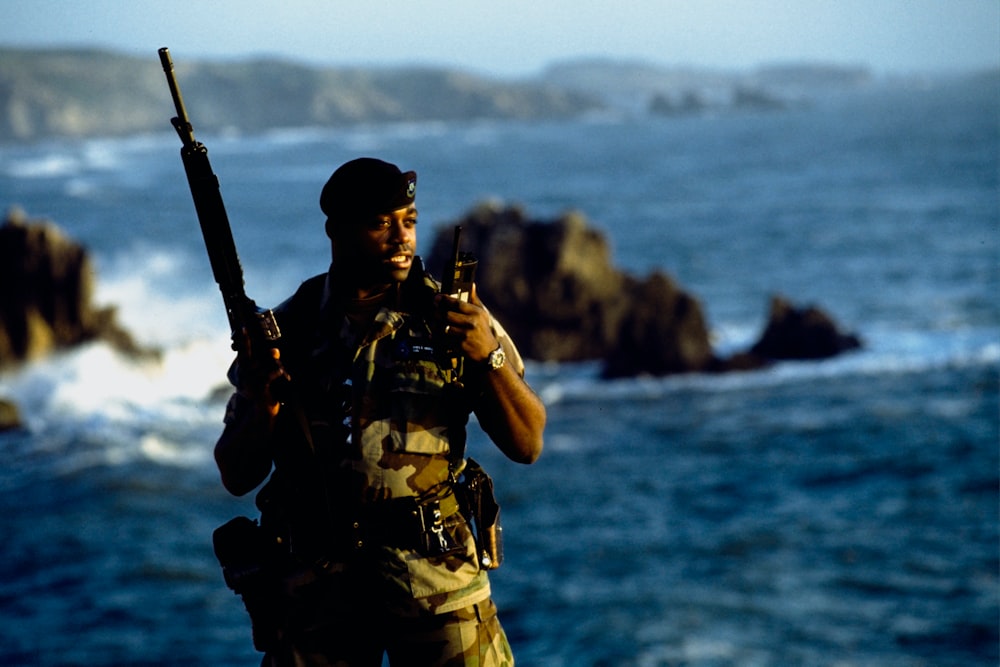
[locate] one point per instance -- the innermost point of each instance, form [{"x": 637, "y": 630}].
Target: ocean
[{"x": 824, "y": 513}]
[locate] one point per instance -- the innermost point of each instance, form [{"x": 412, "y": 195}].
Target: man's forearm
[
  {"x": 512, "y": 414},
  {"x": 242, "y": 452}
]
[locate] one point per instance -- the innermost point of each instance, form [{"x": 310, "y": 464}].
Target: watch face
[{"x": 496, "y": 358}]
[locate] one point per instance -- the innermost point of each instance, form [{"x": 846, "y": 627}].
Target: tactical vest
[{"x": 372, "y": 418}]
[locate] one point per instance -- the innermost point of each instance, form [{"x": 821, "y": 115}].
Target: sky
[{"x": 512, "y": 38}]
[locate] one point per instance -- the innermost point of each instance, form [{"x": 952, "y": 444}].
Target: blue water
[{"x": 842, "y": 512}]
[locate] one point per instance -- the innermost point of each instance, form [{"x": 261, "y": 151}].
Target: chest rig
[{"x": 378, "y": 421}]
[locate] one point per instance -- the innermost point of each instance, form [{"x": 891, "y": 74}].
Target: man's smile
[{"x": 399, "y": 258}]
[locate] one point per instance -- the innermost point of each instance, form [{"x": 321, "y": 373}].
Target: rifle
[{"x": 243, "y": 313}]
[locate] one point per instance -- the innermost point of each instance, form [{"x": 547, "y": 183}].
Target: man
[{"x": 361, "y": 409}]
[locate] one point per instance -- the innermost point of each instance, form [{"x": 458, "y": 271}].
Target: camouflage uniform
[{"x": 347, "y": 496}]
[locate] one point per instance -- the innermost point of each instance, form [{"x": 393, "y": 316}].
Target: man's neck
[
  {"x": 368, "y": 293},
  {"x": 351, "y": 285},
  {"x": 360, "y": 308}
]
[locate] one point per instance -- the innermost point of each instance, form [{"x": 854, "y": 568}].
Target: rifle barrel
[{"x": 181, "y": 122}]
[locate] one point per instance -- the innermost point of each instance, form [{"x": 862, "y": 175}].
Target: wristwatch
[{"x": 496, "y": 358}]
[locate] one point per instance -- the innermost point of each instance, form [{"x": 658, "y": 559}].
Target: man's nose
[{"x": 402, "y": 233}]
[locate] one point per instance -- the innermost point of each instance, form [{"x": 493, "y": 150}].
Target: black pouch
[
  {"x": 249, "y": 560},
  {"x": 434, "y": 539},
  {"x": 480, "y": 508}
]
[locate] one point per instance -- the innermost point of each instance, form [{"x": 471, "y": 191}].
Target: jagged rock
[
  {"x": 48, "y": 286},
  {"x": 663, "y": 332},
  {"x": 10, "y": 416},
  {"x": 554, "y": 287},
  {"x": 801, "y": 333}
]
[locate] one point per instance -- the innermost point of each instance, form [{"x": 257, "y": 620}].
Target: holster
[
  {"x": 251, "y": 565},
  {"x": 474, "y": 489}
]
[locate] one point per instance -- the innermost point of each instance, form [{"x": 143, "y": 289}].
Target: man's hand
[
  {"x": 510, "y": 413},
  {"x": 467, "y": 325},
  {"x": 261, "y": 373}
]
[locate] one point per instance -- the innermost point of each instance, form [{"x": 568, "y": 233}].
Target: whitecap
[
  {"x": 884, "y": 352},
  {"x": 143, "y": 285},
  {"x": 163, "y": 451},
  {"x": 52, "y": 165}
]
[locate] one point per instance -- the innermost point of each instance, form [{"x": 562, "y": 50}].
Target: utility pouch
[
  {"x": 434, "y": 539},
  {"x": 249, "y": 562},
  {"x": 480, "y": 508}
]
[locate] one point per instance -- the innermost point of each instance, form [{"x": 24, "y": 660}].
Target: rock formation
[
  {"x": 551, "y": 283},
  {"x": 46, "y": 302},
  {"x": 10, "y": 415},
  {"x": 555, "y": 289},
  {"x": 663, "y": 331},
  {"x": 801, "y": 333}
]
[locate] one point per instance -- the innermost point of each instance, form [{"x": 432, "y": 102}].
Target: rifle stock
[{"x": 242, "y": 312}]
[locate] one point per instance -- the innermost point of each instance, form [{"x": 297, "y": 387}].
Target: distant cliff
[{"x": 76, "y": 93}]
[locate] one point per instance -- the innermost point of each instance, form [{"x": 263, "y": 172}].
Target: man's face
[{"x": 381, "y": 248}]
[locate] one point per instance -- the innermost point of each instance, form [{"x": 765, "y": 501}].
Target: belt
[{"x": 407, "y": 523}]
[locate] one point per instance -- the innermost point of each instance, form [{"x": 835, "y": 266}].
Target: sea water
[{"x": 838, "y": 512}]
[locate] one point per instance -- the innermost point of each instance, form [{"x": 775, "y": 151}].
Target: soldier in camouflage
[{"x": 361, "y": 411}]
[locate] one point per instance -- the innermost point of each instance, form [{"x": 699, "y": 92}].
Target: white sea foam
[
  {"x": 167, "y": 452},
  {"x": 49, "y": 165},
  {"x": 144, "y": 287},
  {"x": 885, "y": 352},
  {"x": 99, "y": 388},
  {"x": 64, "y": 159}
]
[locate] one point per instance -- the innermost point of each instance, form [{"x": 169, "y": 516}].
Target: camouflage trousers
[{"x": 469, "y": 637}]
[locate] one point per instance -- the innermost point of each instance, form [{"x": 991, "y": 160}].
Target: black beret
[{"x": 365, "y": 187}]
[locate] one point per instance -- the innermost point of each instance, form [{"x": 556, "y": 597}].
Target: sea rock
[
  {"x": 663, "y": 332},
  {"x": 687, "y": 103},
  {"x": 553, "y": 285},
  {"x": 10, "y": 415},
  {"x": 801, "y": 333},
  {"x": 46, "y": 303}
]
